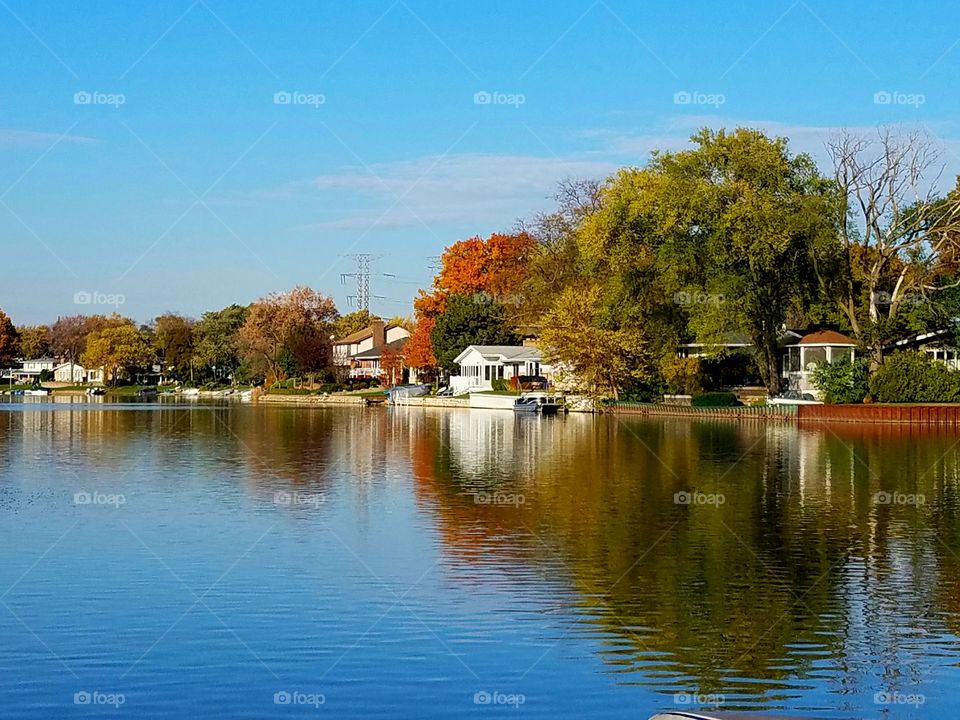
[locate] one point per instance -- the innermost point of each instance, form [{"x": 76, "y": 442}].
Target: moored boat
[{"x": 537, "y": 402}]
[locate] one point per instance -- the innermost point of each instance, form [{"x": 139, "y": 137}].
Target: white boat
[
  {"x": 191, "y": 392},
  {"x": 37, "y": 391}
]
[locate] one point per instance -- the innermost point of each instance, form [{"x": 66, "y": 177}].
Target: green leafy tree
[
  {"x": 465, "y": 321},
  {"x": 351, "y": 323},
  {"x": 217, "y": 340},
  {"x": 842, "y": 381},
  {"x": 709, "y": 241}
]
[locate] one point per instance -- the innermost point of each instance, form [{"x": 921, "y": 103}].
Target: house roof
[
  {"x": 61, "y": 366},
  {"x": 503, "y": 353},
  {"x": 730, "y": 339},
  {"x": 923, "y": 338},
  {"x": 826, "y": 337},
  {"x": 374, "y": 353},
  {"x": 362, "y": 334}
]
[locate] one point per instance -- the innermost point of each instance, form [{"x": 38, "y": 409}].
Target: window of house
[{"x": 486, "y": 372}]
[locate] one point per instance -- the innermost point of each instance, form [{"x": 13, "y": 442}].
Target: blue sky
[{"x": 145, "y": 151}]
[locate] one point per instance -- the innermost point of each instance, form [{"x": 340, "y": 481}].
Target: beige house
[
  {"x": 358, "y": 354},
  {"x": 74, "y": 374}
]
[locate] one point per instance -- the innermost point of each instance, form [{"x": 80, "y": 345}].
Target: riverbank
[
  {"x": 927, "y": 415},
  {"x": 743, "y": 412},
  {"x": 283, "y": 399}
]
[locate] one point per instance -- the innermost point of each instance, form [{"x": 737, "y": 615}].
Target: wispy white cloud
[
  {"x": 481, "y": 188},
  {"x": 492, "y": 190},
  {"x": 11, "y": 139}
]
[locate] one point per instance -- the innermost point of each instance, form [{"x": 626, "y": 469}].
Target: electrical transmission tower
[{"x": 362, "y": 276}]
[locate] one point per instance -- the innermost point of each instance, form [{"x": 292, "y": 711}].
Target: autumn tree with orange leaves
[
  {"x": 494, "y": 268},
  {"x": 298, "y": 322}
]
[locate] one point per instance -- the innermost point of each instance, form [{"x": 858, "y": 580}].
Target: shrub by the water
[
  {"x": 914, "y": 377},
  {"x": 715, "y": 399},
  {"x": 500, "y": 385},
  {"x": 842, "y": 382}
]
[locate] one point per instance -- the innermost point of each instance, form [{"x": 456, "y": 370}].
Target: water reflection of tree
[{"x": 768, "y": 585}]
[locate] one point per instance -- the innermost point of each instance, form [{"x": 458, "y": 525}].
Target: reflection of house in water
[{"x": 494, "y": 445}]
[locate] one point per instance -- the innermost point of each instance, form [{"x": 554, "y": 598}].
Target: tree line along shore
[{"x": 736, "y": 236}]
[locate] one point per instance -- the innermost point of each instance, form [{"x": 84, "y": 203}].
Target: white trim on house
[{"x": 480, "y": 365}]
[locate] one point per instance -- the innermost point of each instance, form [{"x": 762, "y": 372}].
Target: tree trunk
[{"x": 768, "y": 366}]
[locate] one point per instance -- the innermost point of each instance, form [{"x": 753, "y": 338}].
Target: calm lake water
[{"x": 176, "y": 560}]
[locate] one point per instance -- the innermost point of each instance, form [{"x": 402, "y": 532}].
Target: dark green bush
[
  {"x": 842, "y": 382},
  {"x": 500, "y": 385},
  {"x": 914, "y": 377},
  {"x": 715, "y": 399}
]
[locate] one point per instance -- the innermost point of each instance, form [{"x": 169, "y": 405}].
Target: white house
[
  {"x": 480, "y": 365},
  {"x": 938, "y": 345},
  {"x": 29, "y": 370},
  {"x": 69, "y": 373},
  {"x": 802, "y": 357},
  {"x": 76, "y": 374}
]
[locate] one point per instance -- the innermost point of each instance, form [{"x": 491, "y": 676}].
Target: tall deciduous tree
[
  {"x": 174, "y": 340},
  {"x": 899, "y": 241},
  {"x": 68, "y": 337},
  {"x": 118, "y": 349},
  {"x": 723, "y": 232},
  {"x": 217, "y": 339},
  {"x": 468, "y": 321},
  {"x": 351, "y": 323},
  {"x": 601, "y": 356},
  {"x": 34, "y": 341},
  {"x": 492, "y": 269},
  {"x": 554, "y": 262},
  {"x": 9, "y": 341},
  {"x": 275, "y": 323}
]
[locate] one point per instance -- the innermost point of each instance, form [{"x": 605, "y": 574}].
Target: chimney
[{"x": 379, "y": 333}]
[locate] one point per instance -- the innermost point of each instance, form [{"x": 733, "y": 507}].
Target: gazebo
[{"x": 801, "y": 358}]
